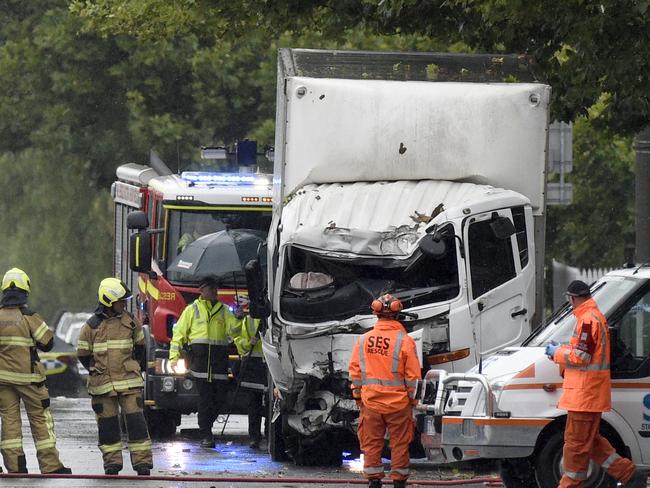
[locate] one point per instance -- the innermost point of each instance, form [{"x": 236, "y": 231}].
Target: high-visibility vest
[
  {"x": 384, "y": 368},
  {"x": 587, "y": 380},
  {"x": 20, "y": 332},
  {"x": 203, "y": 326}
]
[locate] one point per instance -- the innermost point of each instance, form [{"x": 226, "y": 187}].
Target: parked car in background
[{"x": 64, "y": 374}]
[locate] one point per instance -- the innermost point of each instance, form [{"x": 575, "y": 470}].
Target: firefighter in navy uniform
[
  {"x": 111, "y": 347},
  {"x": 22, "y": 377},
  {"x": 252, "y": 374},
  {"x": 204, "y": 326}
]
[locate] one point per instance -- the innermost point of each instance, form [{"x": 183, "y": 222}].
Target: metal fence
[{"x": 564, "y": 274}]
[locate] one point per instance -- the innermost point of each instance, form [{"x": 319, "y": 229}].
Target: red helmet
[{"x": 386, "y": 305}]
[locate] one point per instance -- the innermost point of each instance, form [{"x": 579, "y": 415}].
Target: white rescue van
[{"x": 509, "y": 411}]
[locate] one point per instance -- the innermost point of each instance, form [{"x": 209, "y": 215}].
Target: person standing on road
[
  {"x": 203, "y": 326},
  {"x": 111, "y": 347},
  {"x": 384, "y": 371},
  {"x": 252, "y": 372},
  {"x": 587, "y": 394},
  {"x": 22, "y": 377}
]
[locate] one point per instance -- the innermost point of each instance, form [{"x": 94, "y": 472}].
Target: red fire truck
[{"x": 154, "y": 214}]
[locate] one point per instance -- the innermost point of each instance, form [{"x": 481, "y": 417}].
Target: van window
[
  {"x": 519, "y": 219},
  {"x": 631, "y": 344},
  {"x": 490, "y": 259}
]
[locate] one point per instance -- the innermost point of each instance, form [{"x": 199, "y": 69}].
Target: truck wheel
[
  {"x": 517, "y": 473},
  {"x": 312, "y": 451},
  {"x": 161, "y": 423},
  {"x": 549, "y": 467}
]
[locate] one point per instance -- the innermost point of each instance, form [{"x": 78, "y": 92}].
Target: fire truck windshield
[{"x": 187, "y": 225}]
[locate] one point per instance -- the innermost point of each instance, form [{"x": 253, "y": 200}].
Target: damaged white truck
[{"x": 387, "y": 179}]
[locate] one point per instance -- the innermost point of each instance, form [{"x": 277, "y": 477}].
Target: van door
[
  {"x": 496, "y": 286},
  {"x": 630, "y": 368}
]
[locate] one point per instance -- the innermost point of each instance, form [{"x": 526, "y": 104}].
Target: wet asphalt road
[{"x": 76, "y": 432}]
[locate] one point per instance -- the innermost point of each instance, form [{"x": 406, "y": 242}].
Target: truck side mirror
[
  {"x": 432, "y": 245},
  {"x": 258, "y": 306},
  {"x": 502, "y": 227},
  {"x": 137, "y": 220},
  {"x": 140, "y": 252}
]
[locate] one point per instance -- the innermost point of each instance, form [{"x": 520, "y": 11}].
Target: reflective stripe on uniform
[
  {"x": 253, "y": 386},
  {"x": 106, "y": 448},
  {"x": 41, "y": 331},
  {"x": 113, "y": 344},
  {"x": 613, "y": 457},
  {"x": 211, "y": 342},
  {"x": 204, "y": 376},
  {"x": 585, "y": 356},
  {"x": 21, "y": 378},
  {"x": 85, "y": 345},
  {"x": 197, "y": 313},
  {"x": 174, "y": 348},
  {"x": 589, "y": 367},
  {"x": 45, "y": 444},
  {"x": 402, "y": 471},
  {"x": 140, "y": 446},
  {"x": 117, "y": 385},
  {"x": 373, "y": 469},
  {"x": 12, "y": 443},
  {"x": 576, "y": 475},
  {"x": 17, "y": 341},
  {"x": 396, "y": 351}
]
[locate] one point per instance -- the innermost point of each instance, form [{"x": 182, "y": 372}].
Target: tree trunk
[{"x": 642, "y": 187}]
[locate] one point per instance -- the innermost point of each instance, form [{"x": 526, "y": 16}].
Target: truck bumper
[
  {"x": 466, "y": 438},
  {"x": 175, "y": 393}
]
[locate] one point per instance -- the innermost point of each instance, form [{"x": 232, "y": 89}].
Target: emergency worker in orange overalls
[
  {"x": 587, "y": 393},
  {"x": 384, "y": 370}
]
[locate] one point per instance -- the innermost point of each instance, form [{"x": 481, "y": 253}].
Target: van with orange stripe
[{"x": 506, "y": 407}]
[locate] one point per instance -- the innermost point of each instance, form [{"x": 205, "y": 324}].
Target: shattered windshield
[
  {"x": 319, "y": 288},
  {"x": 608, "y": 294},
  {"x": 186, "y": 226}
]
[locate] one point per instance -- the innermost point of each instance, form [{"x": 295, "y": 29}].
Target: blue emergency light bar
[{"x": 207, "y": 177}]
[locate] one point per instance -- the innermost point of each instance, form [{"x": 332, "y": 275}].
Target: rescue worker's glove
[{"x": 550, "y": 349}]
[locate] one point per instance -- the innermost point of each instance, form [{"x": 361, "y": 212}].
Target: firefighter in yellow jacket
[
  {"x": 204, "y": 326},
  {"x": 252, "y": 375},
  {"x": 22, "y": 377},
  {"x": 111, "y": 347}
]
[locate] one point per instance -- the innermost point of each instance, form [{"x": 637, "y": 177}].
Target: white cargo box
[{"x": 375, "y": 130}]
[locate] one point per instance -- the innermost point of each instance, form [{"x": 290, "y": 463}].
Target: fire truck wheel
[
  {"x": 517, "y": 473},
  {"x": 162, "y": 424},
  {"x": 549, "y": 469}
]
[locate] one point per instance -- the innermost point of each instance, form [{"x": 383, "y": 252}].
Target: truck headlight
[{"x": 164, "y": 366}]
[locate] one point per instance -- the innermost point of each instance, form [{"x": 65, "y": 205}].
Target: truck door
[
  {"x": 496, "y": 286},
  {"x": 631, "y": 368}
]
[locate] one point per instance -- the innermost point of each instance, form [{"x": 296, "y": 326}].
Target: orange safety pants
[
  {"x": 372, "y": 428},
  {"x": 583, "y": 442}
]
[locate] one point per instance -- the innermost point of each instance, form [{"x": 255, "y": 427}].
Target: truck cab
[
  {"x": 156, "y": 218},
  {"x": 509, "y": 411}
]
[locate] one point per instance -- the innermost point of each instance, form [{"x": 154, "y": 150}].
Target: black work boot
[
  {"x": 638, "y": 480},
  {"x": 142, "y": 470},
  {"x": 61, "y": 470},
  {"x": 374, "y": 484},
  {"x": 207, "y": 442},
  {"x": 112, "y": 469},
  {"x": 399, "y": 483}
]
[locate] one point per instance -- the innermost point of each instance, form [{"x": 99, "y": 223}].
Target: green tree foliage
[
  {"x": 586, "y": 49},
  {"x": 595, "y": 228}
]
